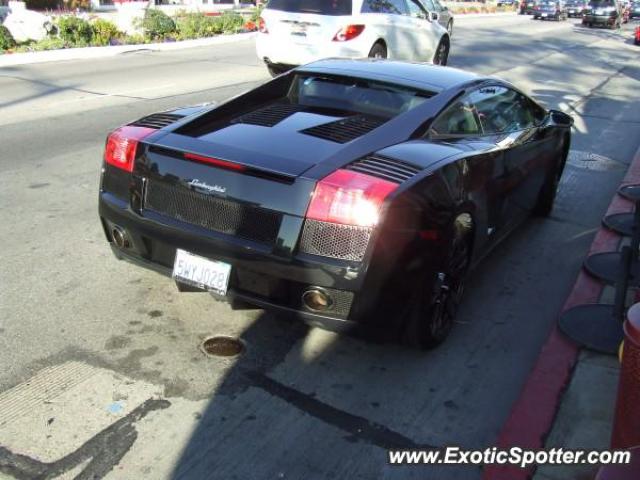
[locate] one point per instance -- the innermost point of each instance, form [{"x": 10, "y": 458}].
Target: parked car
[
  {"x": 527, "y": 7},
  {"x": 603, "y": 12},
  {"x": 636, "y": 39},
  {"x": 444, "y": 15},
  {"x": 507, "y": 3},
  {"x": 626, "y": 11},
  {"x": 552, "y": 10},
  {"x": 635, "y": 10},
  {"x": 295, "y": 32},
  {"x": 349, "y": 193},
  {"x": 575, "y": 8}
]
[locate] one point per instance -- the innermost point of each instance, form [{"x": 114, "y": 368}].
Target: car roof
[{"x": 422, "y": 76}]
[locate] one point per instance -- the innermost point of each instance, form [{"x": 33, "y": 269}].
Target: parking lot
[{"x": 101, "y": 371}]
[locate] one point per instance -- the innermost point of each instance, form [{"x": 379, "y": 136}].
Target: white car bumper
[{"x": 283, "y": 50}]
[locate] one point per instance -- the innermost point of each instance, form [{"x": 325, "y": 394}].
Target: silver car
[{"x": 442, "y": 14}]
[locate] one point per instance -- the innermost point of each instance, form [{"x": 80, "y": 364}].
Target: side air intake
[
  {"x": 383, "y": 167},
  {"x": 157, "y": 120}
]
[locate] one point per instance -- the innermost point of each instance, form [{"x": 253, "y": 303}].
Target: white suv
[{"x": 295, "y": 32}]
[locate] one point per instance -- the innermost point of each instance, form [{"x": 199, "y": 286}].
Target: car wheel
[
  {"x": 450, "y": 28},
  {"x": 378, "y": 51},
  {"x": 432, "y": 313},
  {"x": 441, "y": 57},
  {"x": 547, "y": 195}
]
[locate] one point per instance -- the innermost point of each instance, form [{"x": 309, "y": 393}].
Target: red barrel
[{"x": 626, "y": 423}]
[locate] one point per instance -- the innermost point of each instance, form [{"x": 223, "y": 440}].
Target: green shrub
[
  {"x": 75, "y": 31},
  {"x": 134, "y": 39},
  {"x": 197, "y": 25},
  {"x": 48, "y": 43},
  {"x": 256, "y": 14},
  {"x": 103, "y": 32},
  {"x": 6, "y": 39},
  {"x": 231, "y": 22},
  {"x": 157, "y": 25}
]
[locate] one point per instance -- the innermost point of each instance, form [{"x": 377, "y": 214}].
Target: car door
[
  {"x": 394, "y": 22},
  {"x": 424, "y": 39},
  {"x": 515, "y": 123},
  {"x": 443, "y": 14},
  {"x": 483, "y": 169}
]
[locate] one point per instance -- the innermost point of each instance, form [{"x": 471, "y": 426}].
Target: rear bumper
[
  {"x": 258, "y": 277},
  {"x": 284, "y": 51},
  {"x": 598, "y": 19}
]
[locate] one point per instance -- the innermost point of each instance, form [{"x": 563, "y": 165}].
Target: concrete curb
[
  {"x": 532, "y": 416},
  {"x": 12, "y": 59}
]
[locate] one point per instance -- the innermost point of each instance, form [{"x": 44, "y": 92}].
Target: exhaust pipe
[
  {"x": 317, "y": 300},
  {"x": 120, "y": 237}
]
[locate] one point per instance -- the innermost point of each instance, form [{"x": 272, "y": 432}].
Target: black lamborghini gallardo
[{"x": 352, "y": 193}]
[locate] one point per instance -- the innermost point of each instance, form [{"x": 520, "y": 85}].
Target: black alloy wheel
[
  {"x": 378, "y": 51},
  {"x": 441, "y": 56},
  {"x": 432, "y": 313}
]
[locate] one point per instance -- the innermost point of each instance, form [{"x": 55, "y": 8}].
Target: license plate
[
  {"x": 201, "y": 272},
  {"x": 544, "y": 14}
]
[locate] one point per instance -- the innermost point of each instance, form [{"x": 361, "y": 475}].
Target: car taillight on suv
[
  {"x": 262, "y": 26},
  {"x": 348, "y": 33}
]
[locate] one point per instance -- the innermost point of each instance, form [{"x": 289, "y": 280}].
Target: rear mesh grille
[
  {"x": 157, "y": 120},
  {"x": 344, "y": 242},
  {"x": 116, "y": 181},
  {"x": 213, "y": 213},
  {"x": 385, "y": 168},
  {"x": 268, "y": 116},
  {"x": 344, "y": 130}
]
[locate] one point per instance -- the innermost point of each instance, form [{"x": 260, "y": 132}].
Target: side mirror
[
  {"x": 561, "y": 119},
  {"x": 434, "y": 16}
]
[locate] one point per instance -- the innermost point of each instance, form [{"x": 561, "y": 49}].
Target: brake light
[
  {"x": 214, "y": 161},
  {"x": 349, "y": 198},
  {"x": 348, "y": 33},
  {"x": 262, "y": 26},
  {"x": 120, "y": 150}
]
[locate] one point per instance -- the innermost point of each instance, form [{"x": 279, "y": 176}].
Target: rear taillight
[
  {"x": 120, "y": 150},
  {"x": 349, "y": 198},
  {"x": 262, "y": 26},
  {"x": 347, "y": 33}
]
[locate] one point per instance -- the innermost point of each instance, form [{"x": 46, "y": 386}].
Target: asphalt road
[{"x": 100, "y": 366}]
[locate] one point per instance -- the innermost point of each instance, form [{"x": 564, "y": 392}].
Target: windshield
[
  {"x": 355, "y": 95},
  {"x": 320, "y": 7},
  {"x": 601, "y": 3}
]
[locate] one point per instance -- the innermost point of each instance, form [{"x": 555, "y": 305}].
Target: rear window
[
  {"x": 319, "y": 7},
  {"x": 355, "y": 95},
  {"x": 602, "y": 3}
]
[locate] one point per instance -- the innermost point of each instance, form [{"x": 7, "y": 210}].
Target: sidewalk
[
  {"x": 569, "y": 398},
  {"x": 13, "y": 59}
]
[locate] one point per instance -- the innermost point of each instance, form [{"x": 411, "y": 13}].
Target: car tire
[
  {"x": 378, "y": 51},
  {"x": 547, "y": 195},
  {"x": 441, "y": 55},
  {"x": 431, "y": 314}
]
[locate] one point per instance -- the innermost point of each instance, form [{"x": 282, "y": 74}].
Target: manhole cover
[
  {"x": 592, "y": 161},
  {"x": 222, "y": 346}
]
